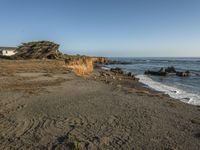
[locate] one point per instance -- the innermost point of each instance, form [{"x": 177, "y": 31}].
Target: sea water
[{"x": 186, "y": 89}]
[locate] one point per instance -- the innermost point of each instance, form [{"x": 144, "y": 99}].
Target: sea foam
[{"x": 173, "y": 92}]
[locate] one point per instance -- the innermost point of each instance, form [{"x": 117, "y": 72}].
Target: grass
[
  {"x": 12, "y": 82},
  {"x": 196, "y": 121},
  {"x": 72, "y": 57},
  {"x": 38, "y": 43},
  {"x": 30, "y": 86},
  {"x": 45, "y": 66},
  {"x": 72, "y": 142},
  {"x": 77, "y": 146}
]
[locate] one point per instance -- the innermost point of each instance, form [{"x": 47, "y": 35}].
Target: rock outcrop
[
  {"x": 119, "y": 71},
  {"x": 167, "y": 71},
  {"x": 155, "y": 73},
  {"x": 170, "y": 70},
  {"x": 107, "y": 61},
  {"x": 183, "y": 74},
  {"x": 81, "y": 66},
  {"x": 38, "y": 50}
]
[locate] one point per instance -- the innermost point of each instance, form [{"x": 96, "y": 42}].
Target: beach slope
[{"x": 44, "y": 105}]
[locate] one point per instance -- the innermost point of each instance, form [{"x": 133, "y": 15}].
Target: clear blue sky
[{"x": 105, "y": 27}]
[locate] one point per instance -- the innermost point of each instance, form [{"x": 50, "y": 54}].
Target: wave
[
  {"x": 173, "y": 92},
  {"x": 189, "y": 60},
  {"x": 105, "y": 68}
]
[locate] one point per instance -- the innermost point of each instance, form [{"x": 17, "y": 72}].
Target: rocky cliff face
[
  {"x": 84, "y": 65},
  {"x": 104, "y": 60},
  {"x": 38, "y": 50},
  {"x": 101, "y": 60},
  {"x": 81, "y": 66}
]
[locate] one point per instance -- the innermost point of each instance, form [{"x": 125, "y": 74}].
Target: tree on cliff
[{"x": 38, "y": 50}]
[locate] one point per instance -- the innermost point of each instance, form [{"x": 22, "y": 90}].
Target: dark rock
[
  {"x": 129, "y": 74},
  {"x": 183, "y": 74},
  {"x": 117, "y": 70},
  {"x": 133, "y": 76},
  {"x": 188, "y": 72},
  {"x": 170, "y": 70},
  {"x": 155, "y": 73},
  {"x": 103, "y": 74},
  {"x": 162, "y": 70},
  {"x": 112, "y": 62},
  {"x": 167, "y": 71}
]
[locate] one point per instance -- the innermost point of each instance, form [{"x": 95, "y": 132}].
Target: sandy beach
[{"x": 44, "y": 105}]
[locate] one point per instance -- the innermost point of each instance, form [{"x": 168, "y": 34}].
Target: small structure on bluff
[{"x": 7, "y": 51}]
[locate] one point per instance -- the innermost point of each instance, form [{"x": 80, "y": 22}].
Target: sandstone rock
[
  {"x": 104, "y": 60},
  {"x": 81, "y": 66},
  {"x": 100, "y": 60}
]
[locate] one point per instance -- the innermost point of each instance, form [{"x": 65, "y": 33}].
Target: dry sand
[{"x": 49, "y": 107}]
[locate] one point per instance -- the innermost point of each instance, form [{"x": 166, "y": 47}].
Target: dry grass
[
  {"x": 12, "y": 82},
  {"x": 79, "y": 66},
  {"x": 9, "y": 67},
  {"x": 29, "y": 86},
  {"x": 82, "y": 66}
]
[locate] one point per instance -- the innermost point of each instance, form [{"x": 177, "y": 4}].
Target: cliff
[
  {"x": 101, "y": 60},
  {"x": 104, "y": 60},
  {"x": 81, "y": 66}
]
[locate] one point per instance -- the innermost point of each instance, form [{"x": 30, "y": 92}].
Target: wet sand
[{"x": 49, "y": 107}]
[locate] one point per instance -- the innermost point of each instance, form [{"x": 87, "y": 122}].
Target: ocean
[{"x": 186, "y": 89}]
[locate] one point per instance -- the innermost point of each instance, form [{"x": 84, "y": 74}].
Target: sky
[{"x": 116, "y": 28}]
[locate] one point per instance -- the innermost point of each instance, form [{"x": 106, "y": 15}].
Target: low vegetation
[
  {"x": 196, "y": 121},
  {"x": 38, "y": 50}
]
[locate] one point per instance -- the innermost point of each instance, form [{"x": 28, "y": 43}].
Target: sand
[{"x": 48, "y": 108}]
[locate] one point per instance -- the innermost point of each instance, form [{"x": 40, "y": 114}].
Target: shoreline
[
  {"x": 173, "y": 92},
  {"x": 47, "y": 106}
]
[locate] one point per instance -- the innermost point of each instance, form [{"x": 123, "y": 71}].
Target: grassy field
[{"x": 9, "y": 67}]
